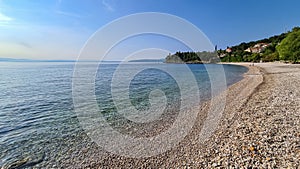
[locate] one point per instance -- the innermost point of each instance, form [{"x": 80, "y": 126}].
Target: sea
[{"x": 38, "y": 123}]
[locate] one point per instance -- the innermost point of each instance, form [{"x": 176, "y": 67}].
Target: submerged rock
[{"x": 25, "y": 162}]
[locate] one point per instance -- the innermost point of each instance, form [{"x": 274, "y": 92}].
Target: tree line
[
  {"x": 192, "y": 57},
  {"x": 283, "y": 47}
]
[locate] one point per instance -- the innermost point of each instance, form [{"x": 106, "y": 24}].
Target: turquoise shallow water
[{"x": 37, "y": 115}]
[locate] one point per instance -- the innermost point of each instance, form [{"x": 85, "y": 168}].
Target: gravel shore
[
  {"x": 265, "y": 131},
  {"x": 259, "y": 128}
]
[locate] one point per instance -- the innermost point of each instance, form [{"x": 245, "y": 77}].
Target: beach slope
[
  {"x": 265, "y": 131},
  {"x": 259, "y": 128}
]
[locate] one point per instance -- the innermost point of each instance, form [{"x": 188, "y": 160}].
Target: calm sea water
[{"x": 37, "y": 118}]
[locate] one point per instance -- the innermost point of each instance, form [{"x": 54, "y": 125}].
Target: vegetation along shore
[{"x": 284, "y": 47}]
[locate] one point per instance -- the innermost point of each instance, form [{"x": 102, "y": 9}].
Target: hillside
[
  {"x": 280, "y": 47},
  {"x": 283, "y": 47}
]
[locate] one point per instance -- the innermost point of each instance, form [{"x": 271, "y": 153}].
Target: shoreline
[
  {"x": 265, "y": 129},
  {"x": 259, "y": 127},
  {"x": 193, "y": 151},
  {"x": 245, "y": 137}
]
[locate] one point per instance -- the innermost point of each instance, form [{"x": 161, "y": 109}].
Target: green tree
[
  {"x": 289, "y": 48},
  {"x": 270, "y": 54},
  {"x": 255, "y": 57}
]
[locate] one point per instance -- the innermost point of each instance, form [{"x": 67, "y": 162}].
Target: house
[
  {"x": 248, "y": 50},
  {"x": 261, "y": 45},
  {"x": 258, "y": 48},
  {"x": 229, "y": 50},
  {"x": 222, "y": 55}
]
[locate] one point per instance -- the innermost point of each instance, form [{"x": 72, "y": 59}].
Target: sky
[{"x": 58, "y": 29}]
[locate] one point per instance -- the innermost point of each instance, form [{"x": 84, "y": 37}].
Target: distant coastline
[
  {"x": 32, "y": 60},
  {"x": 35, "y": 60},
  {"x": 147, "y": 60}
]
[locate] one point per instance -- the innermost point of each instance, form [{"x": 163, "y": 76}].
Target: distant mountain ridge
[
  {"x": 55, "y": 60},
  {"x": 32, "y": 60},
  {"x": 147, "y": 60},
  {"x": 35, "y": 60}
]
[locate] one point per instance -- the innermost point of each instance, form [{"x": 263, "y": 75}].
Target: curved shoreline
[
  {"x": 265, "y": 130},
  {"x": 83, "y": 153},
  {"x": 258, "y": 128},
  {"x": 248, "y": 134},
  {"x": 192, "y": 151}
]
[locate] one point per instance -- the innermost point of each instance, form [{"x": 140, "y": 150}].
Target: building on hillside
[
  {"x": 248, "y": 50},
  {"x": 229, "y": 50},
  {"x": 222, "y": 55},
  {"x": 258, "y": 48}
]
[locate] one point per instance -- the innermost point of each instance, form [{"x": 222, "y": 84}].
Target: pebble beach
[
  {"x": 265, "y": 130},
  {"x": 260, "y": 127}
]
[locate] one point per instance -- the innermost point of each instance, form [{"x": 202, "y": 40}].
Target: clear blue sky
[{"x": 57, "y": 29}]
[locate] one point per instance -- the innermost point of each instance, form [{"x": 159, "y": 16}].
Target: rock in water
[
  {"x": 25, "y": 162},
  {"x": 16, "y": 164}
]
